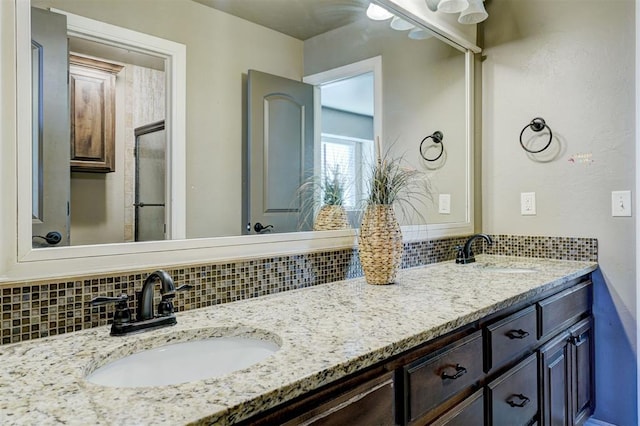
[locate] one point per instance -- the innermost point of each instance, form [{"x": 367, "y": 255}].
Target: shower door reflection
[{"x": 150, "y": 182}]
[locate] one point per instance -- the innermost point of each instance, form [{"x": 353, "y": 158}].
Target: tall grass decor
[{"x": 380, "y": 245}]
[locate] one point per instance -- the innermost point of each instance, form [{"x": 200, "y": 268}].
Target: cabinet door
[
  {"x": 92, "y": 92},
  {"x": 581, "y": 351},
  {"x": 554, "y": 381}
]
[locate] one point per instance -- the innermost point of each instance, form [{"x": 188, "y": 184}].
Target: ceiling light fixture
[
  {"x": 432, "y": 4},
  {"x": 474, "y": 14},
  {"x": 419, "y": 34},
  {"x": 452, "y": 6},
  {"x": 400, "y": 24},
  {"x": 378, "y": 13}
]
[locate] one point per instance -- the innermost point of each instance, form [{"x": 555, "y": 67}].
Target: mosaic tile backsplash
[{"x": 32, "y": 310}]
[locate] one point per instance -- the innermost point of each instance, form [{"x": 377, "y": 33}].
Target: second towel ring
[
  {"x": 537, "y": 125},
  {"x": 437, "y": 137}
]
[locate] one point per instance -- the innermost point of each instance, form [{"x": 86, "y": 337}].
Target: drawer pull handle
[
  {"x": 523, "y": 400},
  {"x": 575, "y": 339},
  {"x": 460, "y": 370},
  {"x": 517, "y": 334}
]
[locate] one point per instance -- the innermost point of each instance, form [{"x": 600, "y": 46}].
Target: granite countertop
[{"x": 325, "y": 332}]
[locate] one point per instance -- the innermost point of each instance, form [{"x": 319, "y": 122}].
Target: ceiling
[{"x": 304, "y": 18}]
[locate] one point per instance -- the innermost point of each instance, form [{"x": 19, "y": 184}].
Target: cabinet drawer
[
  {"x": 510, "y": 337},
  {"x": 513, "y": 397},
  {"x": 555, "y": 312},
  {"x": 368, "y": 404},
  {"x": 432, "y": 379},
  {"x": 468, "y": 412}
]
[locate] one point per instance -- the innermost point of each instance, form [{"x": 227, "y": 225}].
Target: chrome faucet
[
  {"x": 465, "y": 254},
  {"x": 145, "y": 319}
]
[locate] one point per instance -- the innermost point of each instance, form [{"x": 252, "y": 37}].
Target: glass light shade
[
  {"x": 474, "y": 13},
  {"x": 432, "y": 4},
  {"x": 452, "y": 6},
  {"x": 400, "y": 24},
  {"x": 378, "y": 13},
  {"x": 419, "y": 34}
]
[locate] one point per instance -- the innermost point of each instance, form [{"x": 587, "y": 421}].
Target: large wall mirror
[{"x": 369, "y": 79}]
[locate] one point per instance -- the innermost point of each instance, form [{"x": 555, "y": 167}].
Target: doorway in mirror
[{"x": 150, "y": 176}]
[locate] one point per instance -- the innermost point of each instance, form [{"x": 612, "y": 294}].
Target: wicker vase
[
  {"x": 380, "y": 245},
  {"x": 330, "y": 218}
]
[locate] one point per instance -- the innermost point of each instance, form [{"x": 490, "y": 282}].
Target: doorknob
[
  {"x": 259, "y": 228},
  {"x": 52, "y": 238}
]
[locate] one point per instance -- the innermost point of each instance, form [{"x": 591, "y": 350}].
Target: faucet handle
[
  {"x": 165, "y": 307},
  {"x": 121, "y": 316},
  {"x": 104, "y": 300},
  {"x": 185, "y": 287}
]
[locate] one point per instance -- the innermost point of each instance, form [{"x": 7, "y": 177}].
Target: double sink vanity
[{"x": 447, "y": 343}]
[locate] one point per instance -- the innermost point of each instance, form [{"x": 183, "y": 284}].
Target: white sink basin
[{"x": 183, "y": 362}]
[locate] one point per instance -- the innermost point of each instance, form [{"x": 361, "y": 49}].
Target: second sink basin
[{"x": 184, "y": 362}]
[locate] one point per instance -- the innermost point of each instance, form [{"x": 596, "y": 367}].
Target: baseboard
[{"x": 594, "y": 422}]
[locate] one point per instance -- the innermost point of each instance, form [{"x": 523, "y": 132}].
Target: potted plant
[
  {"x": 380, "y": 244},
  {"x": 328, "y": 193}
]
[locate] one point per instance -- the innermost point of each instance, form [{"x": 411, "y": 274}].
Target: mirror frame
[{"x": 26, "y": 263}]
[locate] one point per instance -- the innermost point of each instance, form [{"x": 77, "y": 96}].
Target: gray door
[
  {"x": 51, "y": 168},
  {"x": 280, "y": 152},
  {"x": 150, "y": 152}
]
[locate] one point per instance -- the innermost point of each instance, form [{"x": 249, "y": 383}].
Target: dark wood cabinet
[
  {"x": 92, "y": 85},
  {"x": 581, "y": 362},
  {"x": 566, "y": 376},
  {"x": 515, "y": 367},
  {"x": 368, "y": 404},
  {"x": 554, "y": 381},
  {"x": 509, "y": 338},
  {"x": 466, "y": 413},
  {"x": 431, "y": 380},
  {"x": 512, "y": 398}
]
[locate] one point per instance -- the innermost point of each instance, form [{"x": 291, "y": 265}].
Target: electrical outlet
[
  {"x": 621, "y": 203},
  {"x": 528, "y": 203},
  {"x": 444, "y": 204}
]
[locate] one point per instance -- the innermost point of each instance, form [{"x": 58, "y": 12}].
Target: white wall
[{"x": 572, "y": 63}]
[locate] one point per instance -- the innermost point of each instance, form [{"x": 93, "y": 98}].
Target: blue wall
[{"x": 615, "y": 360}]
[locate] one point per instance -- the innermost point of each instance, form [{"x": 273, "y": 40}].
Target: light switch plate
[
  {"x": 444, "y": 204},
  {"x": 528, "y": 203},
  {"x": 620, "y": 203}
]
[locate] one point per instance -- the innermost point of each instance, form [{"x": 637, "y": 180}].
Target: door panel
[
  {"x": 554, "y": 376},
  {"x": 52, "y": 177},
  {"x": 280, "y": 133},
  {"x": 150, "y": 191}
]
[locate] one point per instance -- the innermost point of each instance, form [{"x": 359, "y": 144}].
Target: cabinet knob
[
  {"x": 575, "y": 339},
  {"x": 517, "y": 334},
  {"x": 460, "y": 370},
  {"x": 523, "y": 400}
]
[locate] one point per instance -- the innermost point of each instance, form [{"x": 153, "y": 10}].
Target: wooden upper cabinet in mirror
[{"x": 92, "y": 104}]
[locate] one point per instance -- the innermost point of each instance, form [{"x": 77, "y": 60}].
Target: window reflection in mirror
[{"x": 217, "y": 66}]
